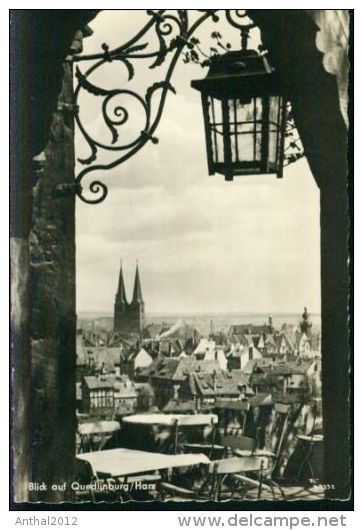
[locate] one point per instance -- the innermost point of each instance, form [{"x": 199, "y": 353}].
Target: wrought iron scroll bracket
[{"x": 174, "y": 33}]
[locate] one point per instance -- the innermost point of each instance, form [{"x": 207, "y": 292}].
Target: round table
[
  {"x": 311, "y": 447},
  {"x": 172, "y": 420}
]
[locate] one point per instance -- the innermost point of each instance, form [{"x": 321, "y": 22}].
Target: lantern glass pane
[
  {"x": 274, "y": 131},
  {"x": 246, "y": 139},
  {"x": 245, "y": 118},
  {"x": 216, "y": 129}
]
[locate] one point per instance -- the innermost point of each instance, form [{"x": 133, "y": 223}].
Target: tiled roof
[
  {"x": 240, "y": 377},
  {"x": 260, "y": 399},
  {"x": 132, "y": 353},
  {"x": 179, "y": 406},
  {"x": 269, "y": 339},
  {"x": 290, "y": 336},
  {"x": 291, "y": 368},
  {"x": 265, "y": 379},
  {"x": 121, "y": 384},
  {"x": 110, "y": 357},
  {"x": 161, "y": 367},
  {"x": 251, "y": 329},
  {"x": 250, "y": 366},
  {"x": 178, "y": 369},
  {"x": 218, "y": 384},
  {"x": 298, "y": 337},
  {"x": 187, "y": 365},
  {"x": 115, "y": 341},
  {"x": 315, "y": 340},
  {"x": 93, "y": 382},
  {"x": 272, "y": 370},
  {"x": 280, "y": 397},
  {"x": 152, "y": 330},
  {"x": 124, "y": 389},
  {"x": 245, "y": 351},
  {"x": 219, "y": 338}
]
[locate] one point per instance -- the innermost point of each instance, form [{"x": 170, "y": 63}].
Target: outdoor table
[
  {"x": 92, "y": 430},
  {"x": 123, "y": 462},
  {"x": 311, "y": 448},
  {"x": 256, "y": 452},
  {"x": 172, "y": 420}
]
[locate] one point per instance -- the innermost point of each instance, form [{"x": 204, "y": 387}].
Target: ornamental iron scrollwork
[{"x": 175, "y": 37}]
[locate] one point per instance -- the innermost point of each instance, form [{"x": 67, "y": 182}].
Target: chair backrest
[
  {"x": 84, "y": 472},
  {"x": 282, "y": 408},
  {"x": 189, "y": 420},
  {"x": 282, "y": 414},
  {"x": 238, "y": 442},
  {"x": 238, "y": 465},
  {"x": 227, "y": 404}
]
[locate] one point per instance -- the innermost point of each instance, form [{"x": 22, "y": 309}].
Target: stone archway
[{"x": 42, "y": 244}]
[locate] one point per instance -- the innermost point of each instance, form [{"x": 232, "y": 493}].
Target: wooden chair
[
  {"x": 233, "y": 470},
  {"x": 282, "y": 413},
  {"x": 216, "y": 450},
  {"x": 211, "y": 449},
  {"x": 86, "y": 477},
  {"x": 94, "y": 435},
  {"x": 229, "y": 406},
  {"x": 258, "y": 463},
  {"x": 150, "y": 481}
]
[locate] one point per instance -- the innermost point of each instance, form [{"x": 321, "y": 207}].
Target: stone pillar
[
  {"x": 52, "y": 302},
  {"x": 20, "y": 367},
  {"x": 42, "y": 339},
  {"x": 315, "y": 97}
]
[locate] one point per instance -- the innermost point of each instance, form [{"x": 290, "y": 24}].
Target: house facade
[
  {"x": 134, "y": 361},
  {"x": 107, "y": 396},
  {"x": 167, "y": 374}
]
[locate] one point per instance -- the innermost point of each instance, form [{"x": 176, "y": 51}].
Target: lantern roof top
[{"x": 243, "y": 73}]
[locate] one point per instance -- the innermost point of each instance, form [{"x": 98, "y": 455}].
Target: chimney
[
  {"x": 214, "y": 380},
  {"x": 176, "y": 392}
]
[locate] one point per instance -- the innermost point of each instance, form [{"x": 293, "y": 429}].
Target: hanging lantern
[{"x": 244, "y": 115}]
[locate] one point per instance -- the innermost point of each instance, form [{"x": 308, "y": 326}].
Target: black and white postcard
[{"x": 180, "y": 257}]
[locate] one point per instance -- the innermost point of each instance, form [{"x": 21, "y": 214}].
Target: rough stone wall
[
  {"x": 333, "y": 41},
  {"x": 290, "y": 36},
  {"x": 39, "y": 44},
  {"x": 21, "y": 366},
  {"x": 52, "y": 293},
  {"x": 38, "y": 59}
]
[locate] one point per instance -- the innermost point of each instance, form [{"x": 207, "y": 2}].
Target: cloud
[{"x": 203, "y": 244}]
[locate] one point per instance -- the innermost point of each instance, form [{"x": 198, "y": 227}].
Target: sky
[{"x": 203, "y": 245}]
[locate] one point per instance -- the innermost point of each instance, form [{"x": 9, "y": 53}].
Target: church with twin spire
[{"x": 129, "y": 317}]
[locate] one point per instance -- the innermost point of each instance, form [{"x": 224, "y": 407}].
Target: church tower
[
  {"x": 305, "y": 324},
  {"x": 129, "y": 318},
  {"x": 121, "y": 304},
  {"x": 137, "y": 306}
]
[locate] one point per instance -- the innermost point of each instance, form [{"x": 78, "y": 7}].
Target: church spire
[
  {"x": 121, "y": 291},
  {"x": 137, "y": 296}
]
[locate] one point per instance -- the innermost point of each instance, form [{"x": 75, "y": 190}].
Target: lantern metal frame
[
  {"x": 244, "y": 87},
  {"x": 174, "y": 34}
]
